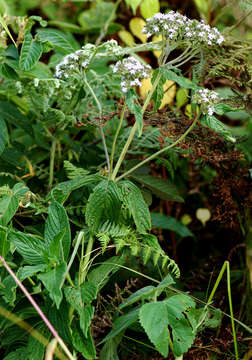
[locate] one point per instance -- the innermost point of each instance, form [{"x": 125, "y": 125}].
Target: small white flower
[{"x": 36, "y": 82}]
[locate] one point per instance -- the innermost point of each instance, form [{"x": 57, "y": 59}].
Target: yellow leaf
[
  {"x": 126, "y": 37},
  {"x": 136, "y": 26},
  {"x": 148, "y": 8},
  {"x": 157, "y": 53},
  {"x": 169, "y": 91},
  {"x": 186, "y": 219}
]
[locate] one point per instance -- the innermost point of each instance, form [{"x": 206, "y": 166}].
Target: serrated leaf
[
  {"x": 154, "y": 319},
  {"x": 182, "y": 333},
  {"x": 36, "y": 350},
  {"x": 8, "y": 207},
  {"x": 8, "y": 72},
  {"x": 27, "y": 271},
  {"x": 30, "y": 247},
  {"x": 3, "y": 135},
  {"x": 109, "y": 350},
  {"x": 179, "y": 79},
  {"x": 169, "y": 223},
  {"x": 134, "y": 200},
  {"x": 121, "y": 324},
  {"x": 51, "y": 280},
  {"x": 84, "y": 345},
  {"x": 103, "y": 204},
  {"x": 58, "y": 40},
  {"x": 62, "y": 190},
  {"x": 30, "y": 52},
  {"x": 134, "y": 106},
  {"x": 19, "y": 354},
  {"x": 140, "y": 294},
  {"x": 86, "y": 316},
  {"x": 94, "y": 18},
  {"x": 213, "y": 123},
  {"x": 88, "y": 292},
  {"x": 133, "y": 4},
  {"x": 160, "y": 187},
  {"x": 57, "y": 222},
  {"x": 100, "y": 275},
  {"x": 136, "y": 25},
  {"x": 126, "y": 37},
  {"x": 221, "y": 109},
  {"x": 148, "y": 8}
]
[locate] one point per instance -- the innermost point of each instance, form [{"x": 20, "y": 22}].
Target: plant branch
[
  {"x": 162, "y": 150},
  {"x": 52, "y": 159},
  {"x": 134, "y": 128},
  {"x": 100, "y": 126}
]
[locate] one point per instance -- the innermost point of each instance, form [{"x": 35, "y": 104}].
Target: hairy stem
[
  {"x": 162, "y": 150},
  {"x": 115, "y": 138},
  {"x": 134, "y": 128},
  {"x": 37, "y": 308},
  {"x": 100, "y": 126},
  {"x": 52, "y": 159}
]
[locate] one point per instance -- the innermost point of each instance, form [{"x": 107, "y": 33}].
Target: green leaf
[
  {"x": 84, "y": 345},
  {"x": 30, "y": 247},
  {"x": 88, "y": 292},
  {"x": 109, "y": 350},
  {"x": 169, "y": 223},
  {"x": 51, "y": 280},
  {"x": 134, "y": 106},
  {"x": 158, "y": 94},
  {"x": 163, "y": 188},
  {"x": 103, "y": 204},
  {"x": 8, "y": 290},
  {"x": 154, "y": 319},
  {"x": 213, "y": 123},
  {"x": 133, "y": 4},
  {"x": 61, "y": 191},
  {"x": 181, "y": 97},
  {"x": 30, "y": 52},
  {"x": 27, "y": 271},
  {"x": 179, "y": 79},
  {"x": 58, "y": 40},
  {"x": 8, "y": 72},
  {"x": 148, "y": 8},
  {"x": 93, "y": 19},
  {"x": 121, "y": 324},
  {"x": 57, "y": 222},
  {"x": 4, "y": 243},
  {"x": 34, "y": 349},
  {"x": 19, "y": 354},
  {"x": 140, "y": 294},
  {"x": 222, "y": 109},
  {"x": 182, "y": 333},
  {"x": 86, "y": 316},
  {"x": 100, "y": 275},
  {"x": 3, "y": 134},
  {"x": 134, "y": 200},
  {"x": 8, "y": 207}
]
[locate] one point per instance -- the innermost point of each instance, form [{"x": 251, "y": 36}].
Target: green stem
[
  {"x": 216, "y": 284},
  {"x": 231, "y": 311},
  {"x": 134, "y": 128},
  {"x": 115, "y": 137},
  {"x": 100, "y": 116},
  {"x": 78, "y": 241},
  {"x": 52, "y": 159},
  {"x": 162, "y": 150},
  {"x": 84, "y": 264}
]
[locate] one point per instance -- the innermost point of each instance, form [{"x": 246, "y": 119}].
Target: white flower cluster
[
  {"x": 174, "y": 26},
  {"x": 207, "y": 99},
  {"x": 131, "y": 71},
  {"x": 75, "y": 62},
  {"x": 111, "y": 48}
]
